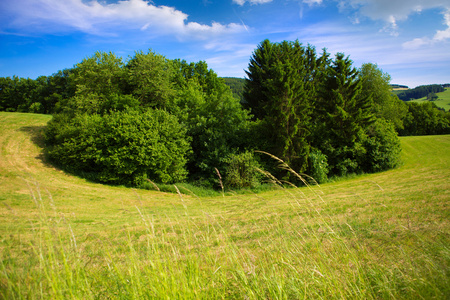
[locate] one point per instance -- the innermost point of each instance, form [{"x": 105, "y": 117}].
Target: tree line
[
  {"x": 150, "y": 118},
  {"x": 420, "y": 92}
]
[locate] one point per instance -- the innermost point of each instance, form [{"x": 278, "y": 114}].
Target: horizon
[{"x": 405, "y": 38}]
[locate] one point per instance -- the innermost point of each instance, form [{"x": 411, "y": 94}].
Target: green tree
[
  {"x": 343, "y": 115},
  {"x": 376, "y": 85},
  {"x": 97, "y": 80},
  {"x": 382, "y": 147},
  {"x": 100, "y": 74},
  {"x": 150, "y": 79},
  {"x": 124, "y": 147},
  {"x": 216, "y": 124},
  {"x": 425, "y": 119},
  {"x": 280, "y": 91}
]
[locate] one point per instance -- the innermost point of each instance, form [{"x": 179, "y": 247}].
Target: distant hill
[
  {"x": 442, "y": 99},
  {"x": 421, "y": 91},
  {"x": 399, "y": 87},
  {"x": 236, "y": 85}
]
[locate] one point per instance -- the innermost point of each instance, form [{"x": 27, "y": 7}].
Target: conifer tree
[
  {"x": 344, "y": 114},
  {"x": 279, "y": 92}
]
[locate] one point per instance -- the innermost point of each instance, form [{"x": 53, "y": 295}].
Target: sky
[{"x": 408, "y": 39}]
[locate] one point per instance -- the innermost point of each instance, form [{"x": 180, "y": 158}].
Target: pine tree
[
  {"x": 279, "y": 91},
  {"x": 344, "y": 114}
]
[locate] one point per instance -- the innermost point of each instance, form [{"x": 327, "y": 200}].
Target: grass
[
  {"x": 378, "y": 236},
  {"x": 443, "y": 100}
]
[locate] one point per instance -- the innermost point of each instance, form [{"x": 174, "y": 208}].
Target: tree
[
  {"x": 124, "y": 147},
  {"x": 425, "y": 119},
  {"x": 100, "y": 74},
  {"x": 343, "y": 115},
  {"x": 97, "y": 80},
  {"x": 376, "y": 85},
  {"x": 280, "y": 91},
  {"x": 216, "y": 124},
  {"x": 150, "y": 78}
]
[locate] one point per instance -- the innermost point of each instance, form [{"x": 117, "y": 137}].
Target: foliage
[
  {"x": 216, "y": 124},
  {"x": 101, "y": 74},
  {"x": 382, "y": 147},
  {"x": 149, "y": 78},
  {"x": 318, "y": 166},
  {"x": 362, "y": 238},
  {"x": 120, "y": 148},
  {"x": 420, "y": 91},
  {"x": 375, "y": 84},
  {"x": 343, "y": 115},
  {"x": 424, "y": 119},
  {"x": 37, "y": 96},
  {"x": 279, "y": 90},
  {"x": 242, "y": 171},
  {"x": 237, "y": 86},
  {"x": 207, "y": 114},
  {"x": 313, "y": 112}
]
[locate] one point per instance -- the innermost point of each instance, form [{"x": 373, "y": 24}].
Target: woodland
[{"x": 151, "y": 119}]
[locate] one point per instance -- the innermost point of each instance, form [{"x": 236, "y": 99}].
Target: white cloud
[
  {"x": 312, "y": 2},
  {"x": 101, "y": 18},
  {"x": 444, "y": 34},
  {"x": 440, "y": 36},
  {"x": 391, "y": 11},
  {"x": 416, "y": 43},
  {"x": 388, "y": 9},
  {"x": 242, "y": 2}
]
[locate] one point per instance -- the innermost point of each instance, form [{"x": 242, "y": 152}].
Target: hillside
[
  {"x": 443, "y": 100},
  {"x": 382, "y": 236},
  {"x": 236, "y": 85}
]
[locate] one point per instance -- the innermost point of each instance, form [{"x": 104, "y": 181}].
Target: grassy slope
[
  {"x": 383, "y": 235},
  {"x": 443, "y": 100}
]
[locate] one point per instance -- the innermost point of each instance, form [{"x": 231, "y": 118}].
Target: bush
[
  {"x": 318, "y": 166},
  {"x": 242, "y": 171},
  {"x": 121, "y": 147},
  {"x": 382, "y": 146}
]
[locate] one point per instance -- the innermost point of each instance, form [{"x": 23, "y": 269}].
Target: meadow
[
  {"x": 374, "y": 236},
  {"x": 443, "y": 100}
]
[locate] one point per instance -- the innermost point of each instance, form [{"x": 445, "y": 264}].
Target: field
[
  {"x": 443, "y": 100},
  {"x": 378, "y": 236}
]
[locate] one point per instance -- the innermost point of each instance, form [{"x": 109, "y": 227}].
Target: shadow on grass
[{"x": 36, "y": 134}]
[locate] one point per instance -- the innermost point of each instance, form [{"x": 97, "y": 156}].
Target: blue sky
[{"x": 409, "y": 39}]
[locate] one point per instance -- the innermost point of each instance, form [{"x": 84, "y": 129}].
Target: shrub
[
  {"x": 382, "y": 147},
  {"x": 121, "y": 147},
  {"x": 318, "y": 166},
  {"x": 242, "y": 171}
]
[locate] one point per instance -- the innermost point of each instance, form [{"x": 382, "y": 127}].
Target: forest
[
  {"x": 420, "y": 91},
  {"x": 151, "y": 119}
]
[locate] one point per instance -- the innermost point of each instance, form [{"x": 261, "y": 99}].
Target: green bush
[
  {"x": 382, "y": 147},
  {"x": 242, "y": 171},
  {"x": 318, "y": 166},
  {"x": 121, "y": 147}
]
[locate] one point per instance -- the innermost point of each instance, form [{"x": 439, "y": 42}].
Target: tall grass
[{"x": 305, "y": 252}]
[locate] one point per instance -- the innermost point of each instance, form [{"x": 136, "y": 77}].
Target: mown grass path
[{"x": 384, "y": 235}]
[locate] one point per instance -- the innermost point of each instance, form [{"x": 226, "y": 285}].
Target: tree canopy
[{"x": 148, "y": 117}]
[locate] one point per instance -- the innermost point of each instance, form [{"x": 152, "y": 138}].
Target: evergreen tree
[
  {"x": 344, "y": 114},
  {"x": 279, "y": 91}
]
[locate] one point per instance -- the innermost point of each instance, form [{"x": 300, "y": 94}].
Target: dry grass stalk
[
  {"x": 220, "y": 181},
  {"x": 154, "y": 184}
]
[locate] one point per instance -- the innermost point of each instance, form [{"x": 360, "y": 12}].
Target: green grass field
[
  {"x": 378, "y": 236},
  {"x": 443, "y": 101}
]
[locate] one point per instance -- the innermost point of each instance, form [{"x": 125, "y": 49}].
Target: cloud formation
[
  {"x": 392, "y": 11},
  {"x": 242, "y": 2},
  {"x": 100, "y": 18},
  {"x": 440, "y": 36}
]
